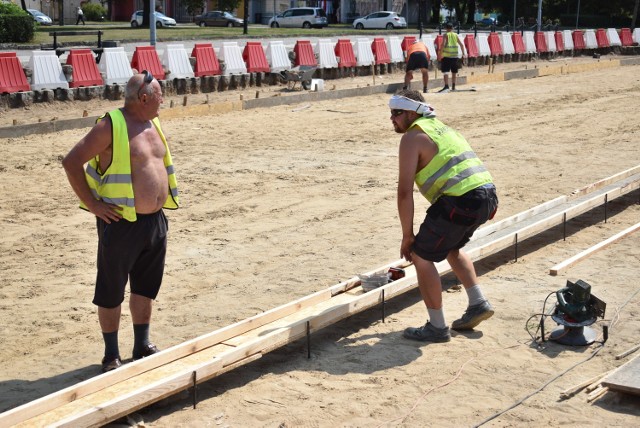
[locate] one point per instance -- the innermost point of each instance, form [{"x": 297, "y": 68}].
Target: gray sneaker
[
  {"x": 428, "y": 333},
  {"x": 473, "y": 316}
]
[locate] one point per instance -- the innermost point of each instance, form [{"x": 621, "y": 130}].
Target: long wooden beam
[
  {"x": 248, "y": 339},
  {"x": 560, "y": 267}
]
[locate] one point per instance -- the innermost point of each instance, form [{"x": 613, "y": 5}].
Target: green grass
[{"x": 123, "y": 32}]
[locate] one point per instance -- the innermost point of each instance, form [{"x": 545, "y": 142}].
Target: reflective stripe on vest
[
  {"x": 450, "y": 48},
  {"x": 115, "y": 185},
  {"x": 455, "y": 169}
]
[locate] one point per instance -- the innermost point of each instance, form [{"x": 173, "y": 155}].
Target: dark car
[{"x": 216, "y": 18}]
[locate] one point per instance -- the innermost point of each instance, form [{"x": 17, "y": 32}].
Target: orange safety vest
[{"x": 417, "y": 47}]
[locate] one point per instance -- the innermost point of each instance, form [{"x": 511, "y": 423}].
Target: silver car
[
  {"x": 40, "y": 17},
  {"x": 162, "y": 20},
  {"x": 383, "y": 19},
  {"x": 300, "y": 17}
]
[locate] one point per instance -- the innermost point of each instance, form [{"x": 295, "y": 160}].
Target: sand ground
[{"x": 278, "y": 203}]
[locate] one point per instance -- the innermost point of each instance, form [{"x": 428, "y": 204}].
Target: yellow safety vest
[
  {"x": 455, "y": 169},
  {"x": 450, "y": 48},
  {"x": 115, "y": 185}
]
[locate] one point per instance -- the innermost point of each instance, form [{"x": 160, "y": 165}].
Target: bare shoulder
[
  {"x": 94, "y": 143},
  {"x": 415, "y": 137}
]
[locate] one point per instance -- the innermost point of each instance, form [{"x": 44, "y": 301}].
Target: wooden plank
[
  {"x": 90, "y": 386},
  {"x": 626, "y": 378},
  {"x": 570, "y": 392},
  {"x": 605, "y": 182},
  {"x": 325, "y": 307},
  {"x": 597, "y": 393},
  {"x": 627, "y": 352},
  {"x": 517, "y": 218},
  {"x": 534, "y": 225},
  {"x": 560, "y": 267}
]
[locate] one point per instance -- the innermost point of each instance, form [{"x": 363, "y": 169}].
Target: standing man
[
  {"x": 80, "y": 16},
  {"x": 417, "y": 59},
  {"x": 448, "y": 56},
  {"x": 129, "y": 178},
  {"x": 462, "y": 195}
]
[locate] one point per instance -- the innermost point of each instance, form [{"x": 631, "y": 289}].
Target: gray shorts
[{"x": 452, "y": 220}]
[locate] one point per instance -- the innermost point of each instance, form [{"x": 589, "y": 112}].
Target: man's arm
[
  {"x": 461, "y": 46},
  {"x": 408, "y": 161},
  {"x": 96, "y": 142}
]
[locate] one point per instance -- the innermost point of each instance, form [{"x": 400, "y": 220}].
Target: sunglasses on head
[
  {"x": 396, "y": 112},
  {"x": 148, "y": 78}
]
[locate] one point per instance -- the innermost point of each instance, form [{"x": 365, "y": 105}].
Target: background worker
[
  {"x": 417, "y": 59},
  {"x": 462, "y": 196},
  {"x": 129, "y": 179},
  {"x": 448, "y": 57}
]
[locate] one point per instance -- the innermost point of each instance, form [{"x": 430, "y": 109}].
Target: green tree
[
  {"x": 193, "y": 7},
  {"x": 228, "y": 5}
]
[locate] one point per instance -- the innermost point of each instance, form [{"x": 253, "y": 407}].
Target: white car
[
  {"x": 162, "y": 20},
  {"x": 40, "y": 17},
  {"x": 384, "y": 19}
]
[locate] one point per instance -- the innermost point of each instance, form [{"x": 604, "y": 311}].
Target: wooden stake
[
  {"x": 570, "y": 392},
  {"x": 85, "y": 113},
  {"x": 597, "y": 394},
  {"x": 184, "y": 101},
  {"x": 373, "y": 67},
  {"x": 627, "y": 352}
]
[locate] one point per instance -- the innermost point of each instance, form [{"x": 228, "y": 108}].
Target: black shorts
[
  {"x": 133, "y": 251},
  {"x": 417, "y": 60},
  {"x": 449, "y": 65},
  {"x": 452, "y": 220}
]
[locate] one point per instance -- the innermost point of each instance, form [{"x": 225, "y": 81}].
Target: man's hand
[
  {"x": 405, "y": 247},
  {"x": 107, "y": 212}
]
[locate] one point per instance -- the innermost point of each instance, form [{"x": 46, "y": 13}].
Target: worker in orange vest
[{"x": 417, "y": 59}]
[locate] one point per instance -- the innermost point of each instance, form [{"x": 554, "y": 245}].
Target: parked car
[
  {"x": 384, "y": 19},
  {"x": 488, "y": 21},
  {"x": 216, "y": 18},
  {"x": 305, "y": 17},
  {"x": 162, "y": 20},
  {"x": 40, "y": 17}
]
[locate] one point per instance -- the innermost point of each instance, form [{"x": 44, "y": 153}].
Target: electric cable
[{"x": 543, "y": 314}]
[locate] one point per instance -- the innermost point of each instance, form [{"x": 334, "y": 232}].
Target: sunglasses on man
[{"x": 148, "y": 78}]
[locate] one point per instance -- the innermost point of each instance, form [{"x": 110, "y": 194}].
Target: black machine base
[{"x": 573, "y": 336}]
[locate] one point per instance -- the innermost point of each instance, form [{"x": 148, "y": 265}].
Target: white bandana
[{"x": 398, "y": 102}]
